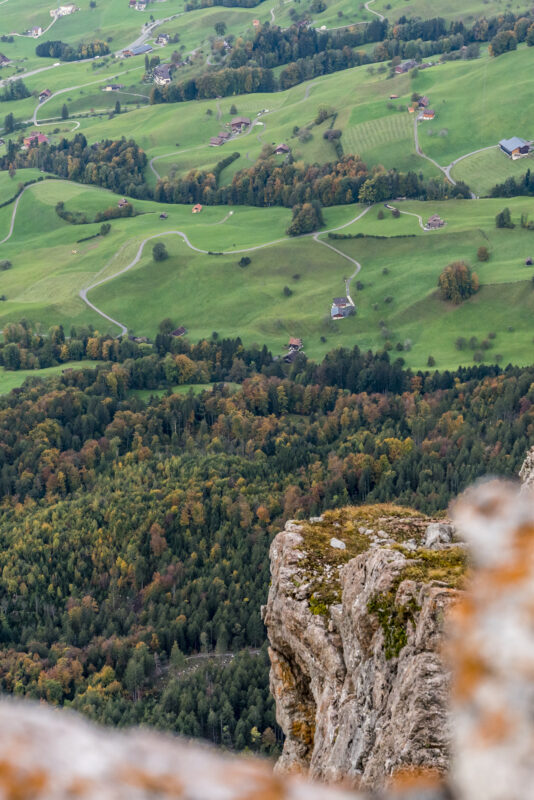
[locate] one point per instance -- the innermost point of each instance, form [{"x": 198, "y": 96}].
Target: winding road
[
  {"x": 370, "y": 10},
  {"x": 445, "y": 170},
  {"x": 411, "y": 214},
  {"x": 473, "y": 153},
  {"x": 13, "y": 215},
  {"x": 184, "y": 237},
  {"x": 420, "y": 152},
  {"x": 75, "y": 88}
]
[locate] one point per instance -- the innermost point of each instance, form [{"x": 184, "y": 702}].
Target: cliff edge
[{"x": 355, "y": 617}]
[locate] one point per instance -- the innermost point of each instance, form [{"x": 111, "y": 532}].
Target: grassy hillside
[
  {"x": 398, "y": 301},
  {"x": 466, "y": 10},
  {"x": 473, "y": 101},
  {"x": 483, "y": 170}
]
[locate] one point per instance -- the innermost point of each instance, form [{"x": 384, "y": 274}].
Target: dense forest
[{"x": 134, "y": 535}]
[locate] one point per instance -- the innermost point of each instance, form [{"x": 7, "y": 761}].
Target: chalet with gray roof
[{"x": 515, "y": 147}]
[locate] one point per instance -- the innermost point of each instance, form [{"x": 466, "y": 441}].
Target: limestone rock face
[{"x": 360, "y": 686}]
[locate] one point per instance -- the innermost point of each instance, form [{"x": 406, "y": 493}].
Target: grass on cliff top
[
  {"x": 445, "y": 566},
  {"x": 352, "y": 525}
]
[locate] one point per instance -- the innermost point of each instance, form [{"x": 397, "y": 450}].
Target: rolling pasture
[
  {"x": 466, "y": 10},
  {"x": 397, "y": 300},
  {"x": 474, "y": 106}
]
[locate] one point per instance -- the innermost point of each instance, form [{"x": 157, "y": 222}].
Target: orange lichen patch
[
  {"x": 164, "y": 784},
  {"x": 462, "y": 616},
  {"x": 16, "y": 784},
  {"x": 304, "y": 731},
  {"x": 494, "y": 727},
  {"x": 409, "y": 778},
  {"x": 470, "y": 669},
  {"x": 510, "y": 575},
  {"x": 266, "y": 787},
  {"x": 79, "y": 787}
]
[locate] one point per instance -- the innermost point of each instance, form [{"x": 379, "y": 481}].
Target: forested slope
[{"x": 132, "y": 535}]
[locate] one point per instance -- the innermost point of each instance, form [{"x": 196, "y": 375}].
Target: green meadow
[
  {"x": 288, "y": 287},
  {"x": 397, "y": 300},
  {"x": 466, "y": 10},
  {"x": 474, "y": 106},
  {"x": 483, "y": 170},
  {"x": 12, "y": 380}
]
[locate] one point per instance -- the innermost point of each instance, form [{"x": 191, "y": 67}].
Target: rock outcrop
[{"x": 355, "y": 621}]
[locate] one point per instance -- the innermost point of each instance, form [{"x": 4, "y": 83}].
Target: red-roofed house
[{"x": 35, "y": 138}]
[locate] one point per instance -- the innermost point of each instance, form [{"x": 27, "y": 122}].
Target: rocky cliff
[{"x": 355, "y": 618}]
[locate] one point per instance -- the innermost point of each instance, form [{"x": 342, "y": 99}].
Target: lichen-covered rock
[{"x": 360, "y": 686}]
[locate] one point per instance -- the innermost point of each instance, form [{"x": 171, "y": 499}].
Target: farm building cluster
[
  {"x": 434, "y": 222},
  {"x": 237, "y": 125},
  {"x": 294, "y": 346},
  {"x": 141, "y": 50},
  {"x": 406, "y": 66},
  {"x": 342, "y": 307},
  {"x": 420, "y": 107},
  {"x": 34, "y": 139},
  {"x": 515, "y": 147}
]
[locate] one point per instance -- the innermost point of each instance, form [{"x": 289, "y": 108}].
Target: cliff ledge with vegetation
[{"x": 355, "y": 621}]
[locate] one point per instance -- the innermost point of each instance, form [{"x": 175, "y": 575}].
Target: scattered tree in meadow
[
  {"x": 457, "y": 282},
  {"x": 159, "y": 252},
  {"x": 504, "y": 219},
  {"x": 307, "y": 217},
  {"x": 483, "y": 253}
]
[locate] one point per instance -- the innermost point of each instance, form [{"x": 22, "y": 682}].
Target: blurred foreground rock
[{"x": 56, "y": 754}]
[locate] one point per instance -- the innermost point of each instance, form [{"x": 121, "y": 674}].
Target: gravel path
[
  {"x": 139, "y": 254},
  {"x": 74, "y": 89},
  {"x": 376, "y": 13},
  {"x": 13, "y": 215}
]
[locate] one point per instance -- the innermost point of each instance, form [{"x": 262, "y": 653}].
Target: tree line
[
  {"x": 309, "y": 53},
  {"x": 113, "y": 164},
  {"x": 268, "y": 183},
  {"x": 68, "y": 52},
  {"x": 514, "y": 187},
  {"x": 14, "y": 90}
]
